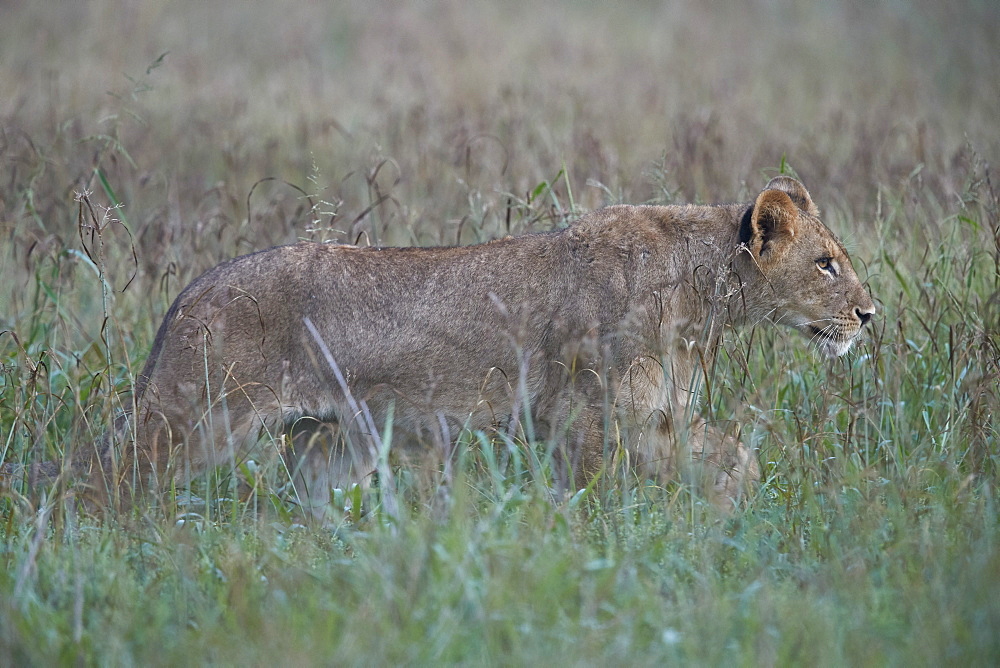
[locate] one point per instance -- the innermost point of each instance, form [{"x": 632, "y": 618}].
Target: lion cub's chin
[
  {"x": 833, "y": 349},
  {"x": 830, "y": 347}
]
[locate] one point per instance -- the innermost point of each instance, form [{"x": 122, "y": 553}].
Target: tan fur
[{"x": 598, "y": 333}]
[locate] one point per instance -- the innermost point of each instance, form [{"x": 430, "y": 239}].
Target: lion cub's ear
[
  {"x": 796, "y": 191},
  {"x": 773, "y": 224}
]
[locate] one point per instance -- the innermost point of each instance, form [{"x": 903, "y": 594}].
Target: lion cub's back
[{"x": 381, "y": 312}]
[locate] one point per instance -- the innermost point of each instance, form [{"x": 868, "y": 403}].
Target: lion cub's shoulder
[{"x": 655, "y": 225}]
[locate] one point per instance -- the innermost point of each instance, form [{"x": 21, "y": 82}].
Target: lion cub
[{"x": 592, "y": 338}]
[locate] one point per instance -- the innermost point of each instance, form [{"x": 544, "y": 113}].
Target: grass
[{"x": 124, "y": 173}]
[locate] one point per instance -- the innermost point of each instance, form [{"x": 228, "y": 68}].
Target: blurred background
[{"x": 185, "y": 105}]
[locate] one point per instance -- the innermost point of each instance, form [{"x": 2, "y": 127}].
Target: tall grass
[{"x": 128, "y": 166}]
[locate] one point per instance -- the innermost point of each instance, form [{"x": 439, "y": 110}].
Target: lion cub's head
[{"x": 808, "y": 281}]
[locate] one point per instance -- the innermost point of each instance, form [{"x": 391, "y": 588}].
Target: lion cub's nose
[{"x": 865, "y": 316}]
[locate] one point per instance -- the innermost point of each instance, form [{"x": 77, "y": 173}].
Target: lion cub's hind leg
[{"x": 321, "y": 456}]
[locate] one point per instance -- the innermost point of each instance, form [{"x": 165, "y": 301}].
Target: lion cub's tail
[{"x": 80, "y": 467}]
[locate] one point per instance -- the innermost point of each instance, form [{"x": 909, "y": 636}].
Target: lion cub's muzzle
[{"x": 835, "y": 336}]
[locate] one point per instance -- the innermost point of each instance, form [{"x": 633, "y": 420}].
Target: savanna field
[{"x": 142, "y": 143}]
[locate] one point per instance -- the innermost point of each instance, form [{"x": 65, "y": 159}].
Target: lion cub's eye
[{"x": 828, "y": 265}]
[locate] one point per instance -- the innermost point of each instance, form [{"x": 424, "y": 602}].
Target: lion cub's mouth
[
  {"x": 821, "y": 333},
  {"x": 828, "y": 343}
]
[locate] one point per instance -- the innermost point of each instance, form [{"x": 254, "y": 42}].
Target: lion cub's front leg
[
  {"x": 715, "y": 461},
  {"x": 730, "y": 466},
  {"x": 666, "y": 441}
]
